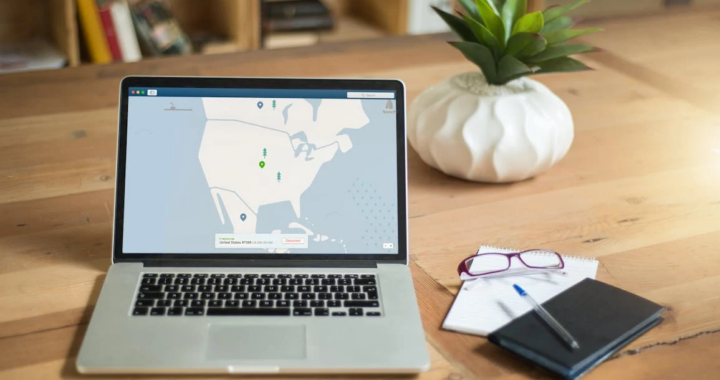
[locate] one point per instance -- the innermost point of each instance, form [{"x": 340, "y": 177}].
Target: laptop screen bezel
[{"x": 261, "y": 83}]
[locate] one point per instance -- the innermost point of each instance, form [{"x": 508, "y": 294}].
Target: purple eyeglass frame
[{"x": 463, "y": 267}]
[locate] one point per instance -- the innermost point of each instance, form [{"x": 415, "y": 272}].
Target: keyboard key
[
  {"x": 172, "y": 288},
  {"x": 249, "y": 303},
  {"x": 167, "y": 275},
  {"x": 197, "y": 303},
  {"x": 224, "y": 296},
  {"x": 254, "y": 288},
  {"x": 208, "y": 296},
  {"x": 291, "y": 296},
  {"x": 234, "y": 275},
  {"x": 180, "y": 303},
  {"x": 192, "y": 296},
  {"x": 176, "y": 311},
  {"x": 320, "y": 289},
  {"x": 217, "y": 275},
  {"x": 308, "y": 296},
  {"x": 367, "y": 276},
  {"x": 266, "y": 304},
  {"x": 344, "y": 281},
  {"x": 250, "y": 276},
  {"x": 317, "y": 276},
  {"x": 302, "y": 312},
  {"x": 144, "y": 303},
  {"x": 221, "y": 288},
  {"x": 174, "y": 296},
  {"x": 317, "y": 303},
  {"x": 352, "y": 289},
  {"x": 372, "y": 295},
  {"x": 247, "y": 281},
  {"x": 267, "y": 276},
  {"x": 301, "y": 276},
  {"x": 279, "y": 281},
  {"x": 284, "y": 276},
  {"x": 188, "y": 288},
  {"x": 196, "y": 281},
  {"x": 150, "y": 275},
  {"x": 140, "y": 311},
  {"x": 242, "y": 296},
  {"x": 356, "y": 312},
  {"x": 337, "y": 289},
  {"x": 334, "y": 276},
  {"x": 194, "y": 311},
  {"x": 304, "y": 289},
  {"x": 151, "y": 296},
  {"x": 249, "y": 312},
  {"x": 350, "y": 276},
  {"x": 373, "y": 313},
  {"x": 369, "y": 289},
  {"x": 342, "y": 296},
  {"x": 319, "y": 312},
  {"x": 180, "y": 281},
  {"x": 282, "y": 303},
  {"x": 333, "y": 304},
  {"x": 263, "y": 281},
  {"x": 163, "y": 303},
  {"x": 365, "y": 281},
  {"x": 213, "y": 281},
  {"x": 328, "y": 281},
  {"x": 238, "y": 288},
  {"x": 148, "y": 281},
  {"x": 216, "y": 303},
  {"x": 287, "y": 288},
  {"x": 230, "y": 303},
  {"x": 165, "y": 281},
  {"x": 312, "y": 281},
  {"x": 274, "y": 296},
  {"x": 270, "y": 289},
  {"x": 230, "y": 281},
  {"x": 339, "y": 314},
  {"x": 184, "y": 275},
  {"x": 203, "y": 288},
  {"x": 362, "y": 304},
  {"x": 295, "y": 281},
  {"x": 325, "y": 296},
  {"x": 300, "y": 304},
  {"x": 358, "y": 296},
  {"x": 258, "y": 296},
  {"x": 201, "y": 275}
]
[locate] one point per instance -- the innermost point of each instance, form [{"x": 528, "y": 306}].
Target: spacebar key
[{"x": 248, "y": 312}]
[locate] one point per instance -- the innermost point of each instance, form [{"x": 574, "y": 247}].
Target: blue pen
[{"x": 552, "y": 322}]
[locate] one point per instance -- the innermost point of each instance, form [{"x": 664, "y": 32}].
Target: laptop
[{"x": 260, "y": 227}]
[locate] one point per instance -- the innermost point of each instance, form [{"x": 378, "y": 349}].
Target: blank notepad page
[{"x": 486, "y": 304}]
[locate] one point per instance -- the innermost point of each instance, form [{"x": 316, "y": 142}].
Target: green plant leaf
[
  {"x": 471, "y": 9},
  {"x": 512, "y": 11},
  {"x": 484, "y": 36},
  {"x": 559, "y": 23},
  {"x": 560, "y": 65},
  {"x": 531, "y": 22},
  {"x": 522, "y": 44},
  {"x": 479, "y": 55},
  {"x": 561, "y": 36},
  {"x": 558, "y": 51},
  {"x": 510, "y": 68},
  {"x": 492, "y": 21},
  {"x": 457, "y": 25},
  {"x": 554, "y": 12}
]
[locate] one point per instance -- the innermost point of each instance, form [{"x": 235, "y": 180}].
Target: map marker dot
[
  {"x": 262, "y": 164},
  {"x": 260, "y": 105},
  {"x": 243, "y": 217}
]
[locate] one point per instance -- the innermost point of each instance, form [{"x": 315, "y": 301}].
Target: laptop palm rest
[{"x": 226, "y": 342}]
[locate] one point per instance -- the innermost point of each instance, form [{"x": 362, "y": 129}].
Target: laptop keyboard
[{"x": 257, "y": 295}]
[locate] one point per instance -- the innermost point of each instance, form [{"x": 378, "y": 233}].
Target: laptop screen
[{"x": 261, "y": 171}]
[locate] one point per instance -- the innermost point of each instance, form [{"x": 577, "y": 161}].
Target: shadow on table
[{"x": 510, "y": 363}]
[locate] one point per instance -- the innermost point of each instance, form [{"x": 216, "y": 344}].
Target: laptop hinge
[{"x": 262, "y": 263}]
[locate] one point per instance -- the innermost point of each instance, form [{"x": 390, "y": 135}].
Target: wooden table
[{"x": 640, "y": 190}]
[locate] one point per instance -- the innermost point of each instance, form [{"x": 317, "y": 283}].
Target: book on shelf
[
  {"x": 29, "y": 55},
  {"x": 92, "y": 27},
  {"x": 125, "y": 31},
  {"x": 296, "y": 15},
  {"x": 158, "y": 30},
  {"x": 109, "y": 29}
]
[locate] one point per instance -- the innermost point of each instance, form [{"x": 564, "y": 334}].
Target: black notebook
[{"x": 602, "y": 318}]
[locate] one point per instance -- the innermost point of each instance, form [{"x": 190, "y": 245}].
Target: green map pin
[{"x": 262, "y": 164}]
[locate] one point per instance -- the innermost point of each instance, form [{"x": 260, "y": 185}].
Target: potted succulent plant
[{"x": 495, "y": 124}]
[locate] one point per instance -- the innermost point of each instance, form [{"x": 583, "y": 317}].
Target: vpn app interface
[{"x": 261, "y": 171}]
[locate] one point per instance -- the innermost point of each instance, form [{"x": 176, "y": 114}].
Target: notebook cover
[{"x": 602, "y": 318}]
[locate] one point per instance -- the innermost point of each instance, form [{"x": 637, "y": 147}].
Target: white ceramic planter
[{"x": 479, "y": 132}]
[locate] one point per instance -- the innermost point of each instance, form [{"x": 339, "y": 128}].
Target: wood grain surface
[{"x": 640, "y": 190}]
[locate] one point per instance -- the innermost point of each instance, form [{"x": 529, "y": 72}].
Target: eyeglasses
[{"x": 490, "y": 263}]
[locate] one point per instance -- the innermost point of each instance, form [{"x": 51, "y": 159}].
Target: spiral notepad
[{"x": 484, "y": 305}]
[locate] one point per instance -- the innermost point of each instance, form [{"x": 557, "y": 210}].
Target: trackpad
[{"x": 227, "y": 342}]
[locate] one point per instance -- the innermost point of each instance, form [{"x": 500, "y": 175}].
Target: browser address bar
[{"x": 371, "y": 95}]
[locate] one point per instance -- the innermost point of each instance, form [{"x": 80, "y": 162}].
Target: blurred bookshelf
[{"x": 43, "y": 34}]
